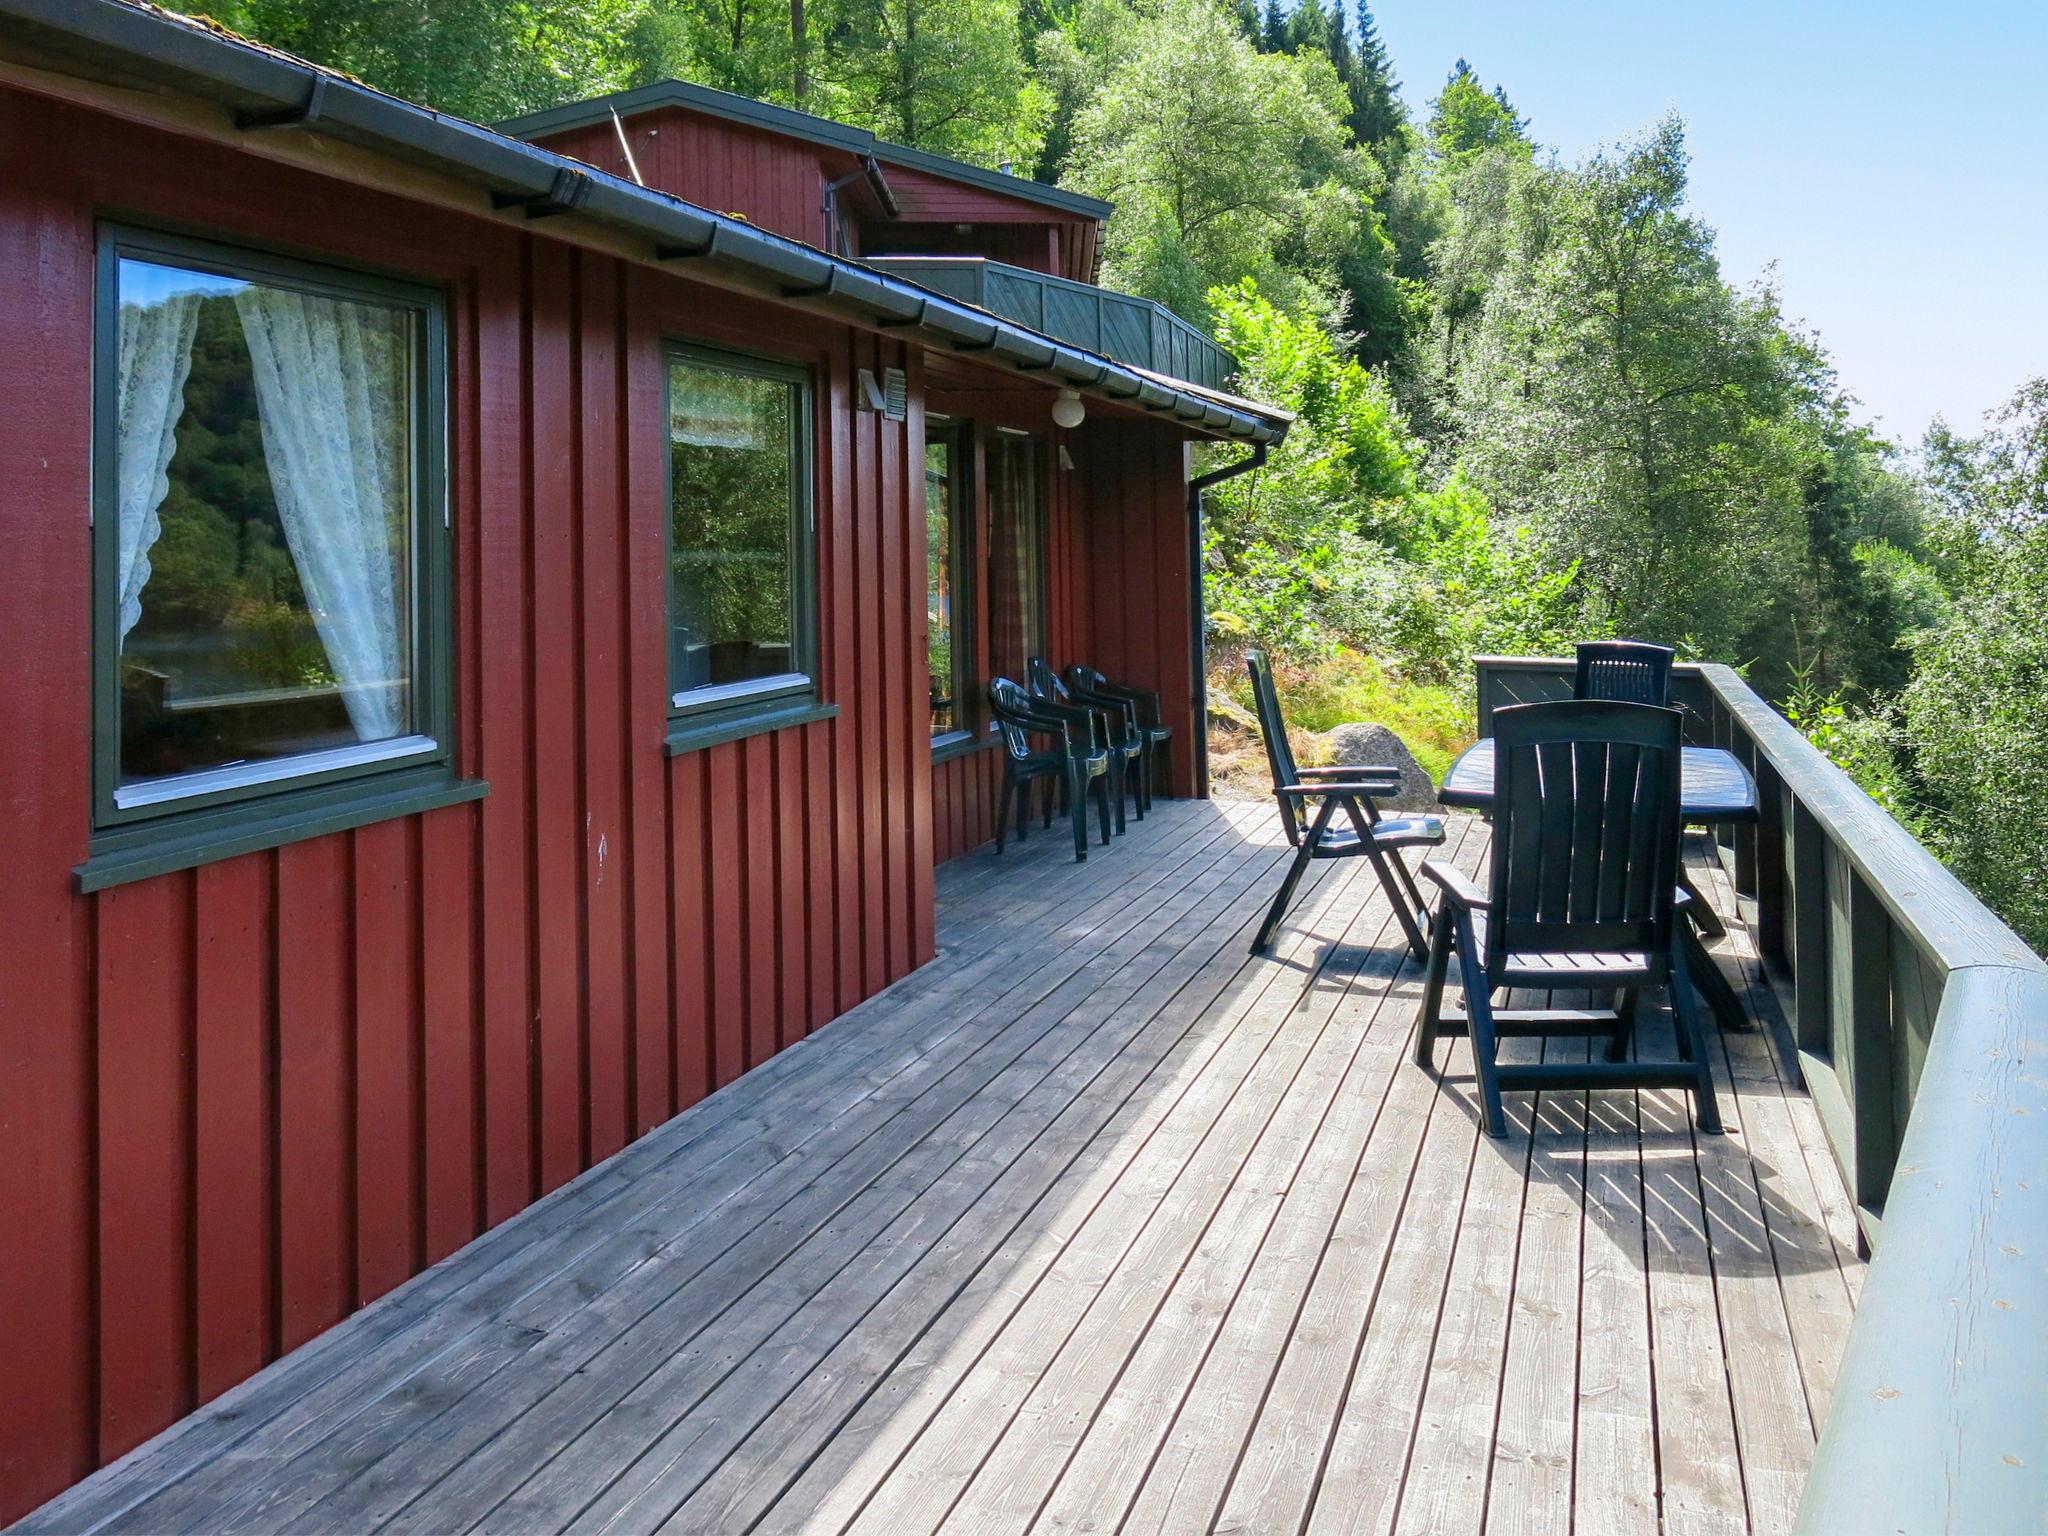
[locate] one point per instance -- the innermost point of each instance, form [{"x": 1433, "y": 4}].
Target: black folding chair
[
  {"x": 1077, "y": 761},
  {"x": 1089, "y": 685},
  {"x": 1351, "y": 788},
  {"x": 1582, "y": 894},
  {"x": 1632, "y": 671},
  {"x": 1117, "y": 720}
]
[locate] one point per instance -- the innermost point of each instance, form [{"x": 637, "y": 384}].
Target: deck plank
[
  {"x": 1099, "y": 1224},
  {"x": 1533, "y": 1464}
]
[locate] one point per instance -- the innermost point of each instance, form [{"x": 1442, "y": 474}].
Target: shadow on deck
[{"x": 1096, "y": 1223}]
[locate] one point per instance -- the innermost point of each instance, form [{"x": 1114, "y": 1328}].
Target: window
[
  {"x": 270, "y": 548},
  {"x": 741, "y": 647},
  {"x": 1016, "y": 554},
  {"x": 949, "y": 619}
]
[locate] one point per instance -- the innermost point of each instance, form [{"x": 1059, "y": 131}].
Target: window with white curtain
[{"x": 269, "y": 537}]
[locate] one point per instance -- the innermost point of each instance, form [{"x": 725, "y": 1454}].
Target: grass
[{"x": 1434, "y": 722}]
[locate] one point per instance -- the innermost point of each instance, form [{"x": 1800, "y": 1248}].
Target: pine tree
[
  {"x": 1247, "y": 13},
  {"x": 1275, "y": 38},
  {"x": 1376, "y": 115},
  {"x": 1309, "y": 27},
  {"x": 1339, "y": 45}
]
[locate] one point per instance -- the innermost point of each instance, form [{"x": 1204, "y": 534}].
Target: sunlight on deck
[{"x": 1098, "y": 1224}]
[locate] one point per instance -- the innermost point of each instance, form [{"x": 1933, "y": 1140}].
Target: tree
[
  {"x": 1631, "y": 406},
  {"x": 744, "y": 46},
  {"x": 1224, "y": 163},
  {"x": 943, "y": 75},
  {"x": 1467, "y": 119},
  {"x": 1973, "y": 711},
  {"x": 480, "y": 59},
  {"x": 1377, "y": 118},
  {"x": 1273, "y": 33}
]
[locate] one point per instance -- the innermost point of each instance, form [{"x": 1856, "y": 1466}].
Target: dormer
[{"x": 825, "y": 183}]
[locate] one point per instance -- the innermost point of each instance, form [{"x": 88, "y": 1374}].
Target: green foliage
[
  {"x": 1467, "y": 120},
  {"x": 1864, "y": 744},
  {"x": 1629, "y": 405},
  {"x": 1974, "y": 711},
  {"x": 480, "y": 59},
  {"x": 1338, "y": 540},
  {"x": 943, "y": 75},
  {"x": 1224, "y": 163}
]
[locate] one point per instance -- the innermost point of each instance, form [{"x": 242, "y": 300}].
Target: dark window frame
[
  {"x": 767, "y": 704},
  {"x": 278, "y": 804},
  {"x": 968, "y": 731}
]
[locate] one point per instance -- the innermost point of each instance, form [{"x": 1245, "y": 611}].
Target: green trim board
[
  {"x": 422, "y": 758},
  {"x": 119, "y": 858},
  {"x": 693, "y": 734}
]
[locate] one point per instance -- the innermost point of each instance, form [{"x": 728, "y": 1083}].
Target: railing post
[
  {"x": 1770, "y": 859},
  {"x": 1746, "y": 833},
  {"x": 1809, "y": 927},
  {"x": 1859, "y": 1026}
]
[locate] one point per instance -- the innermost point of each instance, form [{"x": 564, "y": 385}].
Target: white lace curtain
[
  {"x": 331, "y": 393},
  {"x": 155, "y": 356}
]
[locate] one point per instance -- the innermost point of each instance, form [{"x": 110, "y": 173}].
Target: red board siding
[
  {"x": 767, "y": 179},
  {"x": 237, "y": 1102}
]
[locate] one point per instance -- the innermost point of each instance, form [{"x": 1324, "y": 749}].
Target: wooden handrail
[{"x": 1921, "y": 1025}]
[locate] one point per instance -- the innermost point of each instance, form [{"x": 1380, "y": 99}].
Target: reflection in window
[
  {"x": 1016, "y": 555},
  {"x": 736, "y": 521},
  {"x": 264, "y": 451},
  {"x": 941, "y": 544}
]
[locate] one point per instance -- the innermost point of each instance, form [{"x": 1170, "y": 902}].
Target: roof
[
  {"x": 264, "y": 90},
  {"x": 798, "y": 125}
]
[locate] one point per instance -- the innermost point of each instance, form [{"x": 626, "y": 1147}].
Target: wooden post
[{"x": 1770, "y": 844}]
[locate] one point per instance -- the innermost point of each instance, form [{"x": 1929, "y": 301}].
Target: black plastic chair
[
  {"x": 1582, "y": 894},
  {"x": 1079, "y": 766},
  {"x": 1630, "y": 671},
  {"x": 1351, "y": 787},
  {"x": 1118, "y": 720},
  {"x": 1089, "y": 684}
]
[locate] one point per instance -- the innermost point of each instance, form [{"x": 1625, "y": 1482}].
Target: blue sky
[{"x": 1891, "y": 160}]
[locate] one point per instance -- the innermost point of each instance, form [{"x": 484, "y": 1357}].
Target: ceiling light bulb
[{"x": 1068, "y": 411}]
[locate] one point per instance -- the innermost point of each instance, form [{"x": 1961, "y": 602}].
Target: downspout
[{"x": 1199, "y": 647}]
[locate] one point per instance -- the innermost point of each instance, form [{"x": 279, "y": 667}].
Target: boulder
[
  {"x": 1226, "y": 715},
  {"x": 1376, "y": 746}
]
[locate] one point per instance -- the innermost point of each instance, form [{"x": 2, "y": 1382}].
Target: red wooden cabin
[{"x": 531, "y": 727}]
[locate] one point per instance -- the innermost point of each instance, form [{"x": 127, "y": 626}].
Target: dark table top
[{"x": 1714, "y": 787}]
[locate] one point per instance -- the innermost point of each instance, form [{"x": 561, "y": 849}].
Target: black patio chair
[
  {"x": 1350, "y": 787},
  {"x": 1088, "y": 683},
  {"x": 1631, "y": 671},
  {"x": 1582, "y": 895},
  {"x": 1077, "y": 762},
  {"x": 1118, "y": 720}
]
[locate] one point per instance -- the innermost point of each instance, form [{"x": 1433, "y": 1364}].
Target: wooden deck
[{"x": 1094, "y": 1224}]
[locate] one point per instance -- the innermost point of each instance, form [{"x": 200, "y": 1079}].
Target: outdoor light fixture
[{"x": 1068, "y": 411}]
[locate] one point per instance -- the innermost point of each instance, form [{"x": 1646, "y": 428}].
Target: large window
[
  {"x": 269, "y": 539},
  {"x": 740, "y": 537},
  {"x": 1016, "y": 630},
  {"x": 948, "y": 617}
]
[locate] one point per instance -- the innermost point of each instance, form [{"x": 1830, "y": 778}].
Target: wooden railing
[{"x": 1920, "y": 1023}]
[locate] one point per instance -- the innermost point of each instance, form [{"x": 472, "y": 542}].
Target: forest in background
[{"x": 1532, "y": 408}]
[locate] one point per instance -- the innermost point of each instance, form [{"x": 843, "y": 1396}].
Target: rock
[
  {"x": 1365, "y": 744},
  {"x": 1224, "y": 714}
]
